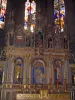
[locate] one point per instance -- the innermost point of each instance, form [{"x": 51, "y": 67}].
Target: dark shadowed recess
[{"x": 2, "y": 43}]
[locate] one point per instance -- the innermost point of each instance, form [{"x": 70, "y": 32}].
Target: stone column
[
  {"x": 70, "y": 21},
  {"x": 8, "y": 95},
  {"x": 63, "y": 72},
  {"x": 68, "y": 74},
  {"x": 24, "y": 71},
  {"x": 9, "y": 7},
  {"x": 8, "y": 39},
  {"x": 70, "y": 77},
  {"x": 3, "y": 95},
  {"x": 50, "y": 11},
  {"x": 19, "y": 24},
  {"x": 19, "y": 14},
  {"x": 14, "y": 95},
  {"x": 49, "y": 28},
  {"x": 47, "y": 68},
  {"x": 27, "y": 71},
  {"x": 69, "y": 18},
  {"x": 52, "y": 72},
  {"x": 8, "y": 21},
  {"x": 10, "y": 70},
  {"x": 66, "y": 71},
  {"x": 5, "y": 71},
  {"x": 30, "y": 69},
  {"x": 40, "y": 12},
  {"x": 49, "y": 71}
]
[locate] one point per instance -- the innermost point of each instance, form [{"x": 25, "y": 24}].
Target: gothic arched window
[
  {"x": 29, "y": 19},
  {"x": 59, "y": 15},
  {"x": 3, "y": 4}
]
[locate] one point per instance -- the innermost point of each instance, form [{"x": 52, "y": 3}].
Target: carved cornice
[{"x": 29, "y": 52}]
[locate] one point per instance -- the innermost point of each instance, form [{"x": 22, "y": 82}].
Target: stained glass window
[
  {"x": 3, "y": 4},
  {"x": 29, "y": 19},
  {"x": 59, "y": 15}
]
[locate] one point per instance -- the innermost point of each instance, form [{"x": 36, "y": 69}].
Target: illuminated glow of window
[
  {"x": 29, "y": 19},
  {"x": 3, "y": 4},
  {"x": 59, "y": 14}
]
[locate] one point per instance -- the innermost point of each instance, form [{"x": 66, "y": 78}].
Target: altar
[{"x": 43, "y": 96}]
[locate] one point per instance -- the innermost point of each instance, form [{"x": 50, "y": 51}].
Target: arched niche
[
  {"x": 1, "y": 75},
  {"x": 58, "y": 75},
  {"x": 73, "y": 78},
  {"x": 50, "y": 42},
  {"x": 2, "y": 67},
  {"x": 11, "y": 38},
  {"x": 38, "y": 75},
  {"x": 65, "y": 43},
  {"x": 18, "y": 70}
]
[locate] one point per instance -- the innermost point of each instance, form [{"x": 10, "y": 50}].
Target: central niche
[{"x": 38, "y": 73}]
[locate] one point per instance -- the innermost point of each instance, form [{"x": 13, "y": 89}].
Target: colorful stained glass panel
[
  {"x": 3, "y": 4},
  {"x": 29, "y": 19},
  {"x": 59, "y": 15}
]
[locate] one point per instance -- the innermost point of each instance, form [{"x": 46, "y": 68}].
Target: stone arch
[
  {"x": 42, "y": 60},
  {"x": 38, "y": 71},
  {"x": 18, "y": 70},
  {"x": 19, "y": 58},
  {"x": 39, "y": 62}
]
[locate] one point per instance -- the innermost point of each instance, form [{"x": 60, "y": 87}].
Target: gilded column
[
  {"x": 24, "y": 71},
  {"x": 65, "y": 76},
  {"x": 5, "y": 71},
  {"x": 8, "y": 39},
  {"x": 50, "y": 72},
  {"x": 66, "y": 71},
  {"x": 30, "y": 72},
  {"x": 10, "y": 70},
  {"x": 29, "y": 68},
  {"x": 62, "y": 72},
  {"x": 27, "y": 71}
]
